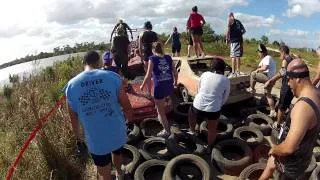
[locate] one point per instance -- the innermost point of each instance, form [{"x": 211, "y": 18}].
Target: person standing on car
[
  {"x": 286, "y": 95},
  {"x": 164, "y": 76},
  {"x": 213, "y": 93},
  {"x": 234, "y": 37},
  {"x": 175, "y": 44},
  {"x": 195, "y": 24},
  {"x": 300, "y": 130},
  {"x": 265, "y": 71},
  {"x": 146, "y": 39},
  {"x": 316, "y": 79},
  {"x": 190, "y": 43},
  {"x": 120, "y": 50},
  {"x": 124, "y": 26},
  {"x": 96, "y": 99}
]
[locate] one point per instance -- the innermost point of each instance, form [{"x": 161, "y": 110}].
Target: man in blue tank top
[{"x": 95, "y": 98}]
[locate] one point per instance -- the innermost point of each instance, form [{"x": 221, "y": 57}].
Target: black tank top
[
  {"x": 295, "y": 164},
  {"x": 148, "y": 37}
]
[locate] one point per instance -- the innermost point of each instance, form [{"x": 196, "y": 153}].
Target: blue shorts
[{"x": 163, "y": 90}]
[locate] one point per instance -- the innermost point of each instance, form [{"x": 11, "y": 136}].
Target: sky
[{"x": 30, "y": 27}]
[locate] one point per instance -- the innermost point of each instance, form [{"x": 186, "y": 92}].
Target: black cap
[{"x": 262, "y": 48}]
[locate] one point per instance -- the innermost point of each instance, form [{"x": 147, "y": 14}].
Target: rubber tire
[
  {"x": 245, "y": 174},
  {"x": 256, "y": 131},
  {"x": 266, "y": 130},
  {"x": 143, "y": 126},
  {"x": 147, "y": 155},
  {"x": 139, "y": 174},
  {"x": 315, "y": 174},
  {"x": 260, "y": 153},
  {"x": 129, "y": 168},
  {"x": 133, "y": 136},
  {"x": 181, "y": 117},
  {"x": 220, "y": 135},
  {"x": 174, "y": 138},
  {"x": 227, "y": 166},
  {"x": 196, "y": 160},
  {"x": 184, "y": 95}
]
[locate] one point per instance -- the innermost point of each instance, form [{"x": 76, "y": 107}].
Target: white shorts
[{"x": 236, "y": 49}]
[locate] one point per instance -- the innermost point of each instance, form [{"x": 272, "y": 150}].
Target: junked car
[{"x": 190, "y": 70}]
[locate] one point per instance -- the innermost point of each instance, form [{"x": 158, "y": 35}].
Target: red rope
[{"x": 33, "y": 134}]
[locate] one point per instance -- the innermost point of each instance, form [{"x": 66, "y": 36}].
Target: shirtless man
[{"x": 299, "y": 131}]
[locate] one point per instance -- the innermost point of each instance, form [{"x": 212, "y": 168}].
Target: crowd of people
[{"x": 97, "y": 98}]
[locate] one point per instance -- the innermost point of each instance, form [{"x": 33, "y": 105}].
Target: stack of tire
[
  {"x": 240, "y": 152},
  {"x": 149, "y": 157}
]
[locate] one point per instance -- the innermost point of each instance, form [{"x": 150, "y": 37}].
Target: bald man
[
  {"x": 316, "y": 79},
  {"x": 300, "y": 129}
]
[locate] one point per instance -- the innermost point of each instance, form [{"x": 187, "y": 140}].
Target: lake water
[{"x": 25, "y": 69}]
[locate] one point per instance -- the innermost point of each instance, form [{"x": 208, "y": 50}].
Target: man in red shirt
[{"x": 194, "y": 24}]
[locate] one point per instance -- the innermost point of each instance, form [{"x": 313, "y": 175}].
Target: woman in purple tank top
[{"x": 164, "y": 77}]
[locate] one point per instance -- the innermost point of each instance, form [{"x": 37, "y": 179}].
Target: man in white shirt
[
  {"x": 213, "y": 92},
  {"x": 265, "y": 71}
]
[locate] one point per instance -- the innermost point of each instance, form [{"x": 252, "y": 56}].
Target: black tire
[
  {"x": 181, "y": 112},
  {"x": 247, "y": 111},
  {"x": 184, "y": 94},
  {"x": 225, "y": 129},
  {"x": 147, "y": 152},
  {"x": 150, "y": 127},
  {"x": 261, "y": 122},
  {"x": 133, "y": 133},
  {"x": 189, "y": 164},
  {"x": 253, "y": 171},
  {"x": 260, "y": 153},
  {"x": 256, "y": 136},
  {"x": 315, "y": 174},
  {"x": 231, "y": 166},
  {"x": 142, "y": 171},
  {"x": 131, "y": 166},
  {"x": 184, "y": 143}
]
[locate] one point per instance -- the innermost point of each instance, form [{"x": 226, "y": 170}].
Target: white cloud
[
  {"x": 289, "y": 32},
  {"x": 33, "y": 26},
  {"x": 302, "y": 8},
  {"x": 296, "y": 37},
  {"x": 257, "y": 21}
]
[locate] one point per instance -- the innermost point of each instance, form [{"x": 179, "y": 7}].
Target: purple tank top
[{"x": 162, "y": 70}]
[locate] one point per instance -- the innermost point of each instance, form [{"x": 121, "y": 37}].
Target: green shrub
[{"x": 7, "y": 92}]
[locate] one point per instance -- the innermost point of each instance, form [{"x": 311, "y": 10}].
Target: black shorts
[
  {"x": 176, "y": 48},
  {"x": 104, "y": 160},
  {"x": 205, "y": 115},
  {"x": 286, "y": 97},
  {"x": 146, "y": 55},
  {"x": 197, "y": 31},
  {"x": 190, "y": 41}
]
